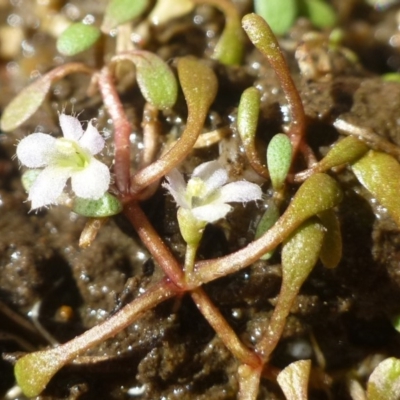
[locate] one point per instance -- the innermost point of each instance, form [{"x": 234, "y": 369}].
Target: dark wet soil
[{"x": 341, "y": 319}]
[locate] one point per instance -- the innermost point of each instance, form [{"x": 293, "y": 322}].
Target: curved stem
[
  {"x": 150, "y": 238},
  {"x": 122, "y": 130},
  {"x": 223, "y": 329}
]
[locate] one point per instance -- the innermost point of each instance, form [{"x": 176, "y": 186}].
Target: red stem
[
  {"x": 122, "y": 130},
  {"x": 150, "y": 238}
]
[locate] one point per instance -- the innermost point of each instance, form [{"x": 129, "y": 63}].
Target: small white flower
[
  {"x": 62, "y": 158},
  {"x": 207, "y": 191}
]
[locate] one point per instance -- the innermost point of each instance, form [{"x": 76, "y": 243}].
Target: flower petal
[
  {"x": 91, "y": 182},
  {"x": 211, "y": 212},
  {"x": 92, "y": 140},
  {"x": 34, "y": 151},
  {"x": 48, "y": 186},
  {"x": 212, "y": 174},
  {"x": 71, "y": 127},
  {"x": 176, "y": 186},
  {"x": 241, "y": 191}
]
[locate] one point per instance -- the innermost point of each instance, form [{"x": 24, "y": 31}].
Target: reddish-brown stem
[
  {"x": 263, "y": 38},
  {"x": 223, "y": 329},
  {"x": 122, "y": 130},
  {"x": 150, "y": 238},
  {"x": 172, "y": 158},
  {"x": 119, "y": 321},
  {"x": 254, "y": 159}
]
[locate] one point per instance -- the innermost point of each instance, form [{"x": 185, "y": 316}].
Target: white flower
[
  {"x": 68, "y": 157},
  {"x": 207, "y": 191}
]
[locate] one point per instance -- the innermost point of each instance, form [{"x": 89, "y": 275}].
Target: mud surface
[{"x": 341, "y": 319}]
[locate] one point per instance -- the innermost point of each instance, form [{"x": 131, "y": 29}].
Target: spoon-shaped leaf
[
  {"x": 380, "y": 174},
  {"x": 154, "y": 77},
  {"x": 279, "y": 158},
  {"x": 121, "y": 11},
  {"x": 34, "y": 371},
  {"x": 229, "y": 49},
  {"x": 293, "y": 380},
  {"x": 300, "y": 253},
  {"x": 384, "y": 382},
  {"x": 76, "y": 38},
  {"x": 199, "y": 85},
  {"x": 345, "y": 151},
  {"x": 320, "y": 13},
  {"x": 106, "y": 206},
  {"x": 280, "y": 14},
  {"x": 331, "y": 251},
  {"x": 248, "y": 111},
  {"x": 247, "y": 121},
  {"x": 25, "y": 104}
]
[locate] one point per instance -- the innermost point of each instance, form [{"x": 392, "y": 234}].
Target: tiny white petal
[
  {"x": 34, "y": 151},
  {"x": 217, "y": 179},
  {"x": 48, "y": 186},
  {"x": 92, "y": 140},
  {"x": 211, "y": 212},
  {"x": 176, "y": 186},
  {"x": 205, "y": 170},
  {"x": 91, "y": 182},
  {"x": 71, "y": 127},
  {"x": 241, "y": 191}
]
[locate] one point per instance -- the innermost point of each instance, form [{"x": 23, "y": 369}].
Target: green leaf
[
  {"x": 318, "y": 193},
  {"x": 380, "y": 174},
  {"x": 279, "y": 158},
  {"x": 154, "y": 77},
  {"x": 34, "y": 371},
  {"x": 106, "y": 206},
  {"x": 384, "y": 382},
  {"x": 279, "y": 14},
  {"x": 248, "y": 111},
  {"x": 320, "y": 13},
  {"x": 229, "y": 49},
  {"x": 121, "y": 11},
  {"x": 391, "y": 77},
  {"x": 25, "y": 104},
  {"x": 345, "y": 151},
  {"x": 76, "y": 38},
  {"x": 293, "y": 380},
  {"x": 300, "y": 253},
  {"x": 331, "y": 251}
]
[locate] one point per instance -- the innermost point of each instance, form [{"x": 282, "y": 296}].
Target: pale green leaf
[
  {"x": 248, "y": 111},
  {"x": 279, "y": 14},
  {"x": 380, "y": 174},
  {"x": 293, "y": 380},
  {"x": 76, "y": 38},
  {"x": 34, "y": 371},
  {"x": 279, "y": 158},
  {"x": 300, "y": 253},
  {"x": 25, "y": 104},
  {"x": 320, "y": 13},
  {"x": 384, "y": 382},
  {"x": 154, "y": 77},
  {"x": 345, "y": 151},
  {"x": 121, "y": 11},
  {"x": 106, "y": 206}
]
